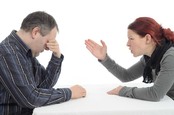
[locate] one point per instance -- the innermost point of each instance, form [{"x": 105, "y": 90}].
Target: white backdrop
[{"x": 82, "y": 19}]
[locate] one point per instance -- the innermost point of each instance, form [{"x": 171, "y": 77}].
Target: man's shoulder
[{"x": 7, "y": 48}]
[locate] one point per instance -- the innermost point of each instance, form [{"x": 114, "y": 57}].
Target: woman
[{"x": 154, "y": 43}]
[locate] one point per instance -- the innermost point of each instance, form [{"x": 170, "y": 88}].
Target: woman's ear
[{"x": 148, "y": 38}]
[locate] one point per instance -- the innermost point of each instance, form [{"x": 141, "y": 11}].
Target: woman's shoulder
[
  {"x": 170, "y": 51},
  {"x": 168, "y": 57}
]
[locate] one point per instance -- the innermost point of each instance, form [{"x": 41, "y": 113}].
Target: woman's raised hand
[{"x": 99, "y": 51}]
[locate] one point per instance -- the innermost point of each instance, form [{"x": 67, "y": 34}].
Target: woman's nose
[{"x": 128, "y": 44}]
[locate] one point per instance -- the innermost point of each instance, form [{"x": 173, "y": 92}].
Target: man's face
[{"x": 39, "y": 43}]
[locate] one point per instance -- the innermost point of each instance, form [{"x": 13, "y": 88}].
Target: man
[{"x": 24, "y": 82}]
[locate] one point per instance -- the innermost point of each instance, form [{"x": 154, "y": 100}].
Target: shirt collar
[{"x": 13, "y": 37}]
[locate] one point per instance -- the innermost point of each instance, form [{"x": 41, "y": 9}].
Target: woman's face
[{"x": 140, "y": 45}]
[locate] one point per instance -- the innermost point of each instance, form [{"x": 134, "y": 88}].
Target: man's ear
[
  {"x": 148, "y": 38},
  {"x": 35, "y": 32}
]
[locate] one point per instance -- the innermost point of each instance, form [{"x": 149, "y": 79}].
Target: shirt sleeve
[
  {"x": 162, "y": 84},
  {"x": 124, "y": 75},
  {"x": 17, "y": 78},
  {"x": 51, "y": 74}
]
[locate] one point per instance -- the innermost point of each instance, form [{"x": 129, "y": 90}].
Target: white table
[{"x": 98, "y": 102}]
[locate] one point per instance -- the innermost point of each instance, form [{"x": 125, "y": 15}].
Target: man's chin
[{"x": 36, "y": 55}]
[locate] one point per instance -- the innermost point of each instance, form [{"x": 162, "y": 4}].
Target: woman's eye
[{"x": 130, "y": 38}]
